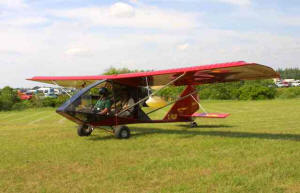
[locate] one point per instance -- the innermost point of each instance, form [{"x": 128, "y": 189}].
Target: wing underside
[{"x": 216, "y": 73}]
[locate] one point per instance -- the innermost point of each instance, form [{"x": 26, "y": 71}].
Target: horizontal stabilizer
[{"x": 208, "y": 115}]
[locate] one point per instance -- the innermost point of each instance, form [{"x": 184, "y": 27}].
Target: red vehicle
[
  {"x": 81, "y": 106},
  {"x": 24, "y": 96}
]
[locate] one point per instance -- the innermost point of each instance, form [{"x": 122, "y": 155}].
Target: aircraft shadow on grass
[{"x": 186, "y": 133}]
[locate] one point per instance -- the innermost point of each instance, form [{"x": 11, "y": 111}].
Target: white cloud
[
  {"x": 128, "y": 16},
  {"x": 72, "y": 46},
  {"x": 133, "y": 1},
  {"x": 13, "y": 3},
  {"x": 289, "y": 20},
  {"x": 121, "y": 10},
  {"x": 183, "y": 47},
  {"x": 43, "y": 51},
  {"x": 23, "y": 21},
  {"x": 78, "y": 52},
  {"x": 237, "y": 2},
  {"x": 266, "y": 17}
]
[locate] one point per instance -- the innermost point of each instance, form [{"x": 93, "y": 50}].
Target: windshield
[
  {"x": 87, "y": 101},
  {"x": 91, "y": 105}
]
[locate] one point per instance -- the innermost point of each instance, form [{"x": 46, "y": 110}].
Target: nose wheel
[
  {"x": 193, "y": 124},
  {"x": 84, "y": 130}
]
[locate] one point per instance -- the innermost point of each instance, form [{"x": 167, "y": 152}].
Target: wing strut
[
  {"x": 147, "y": 86},
  {"x": 142, "y": 100},
  {"x": 61, "y": 88},
  {"x": 199, "y": 105},
  {"x": 205, "y": 114}
]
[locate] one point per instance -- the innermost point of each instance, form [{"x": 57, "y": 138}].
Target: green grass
[{"x": 256, "y": 149}]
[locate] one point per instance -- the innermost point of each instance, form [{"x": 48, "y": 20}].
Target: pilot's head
[{"x": 103, "y": 91}]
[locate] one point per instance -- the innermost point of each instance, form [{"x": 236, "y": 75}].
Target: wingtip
[{"x": 32, "y": 78}]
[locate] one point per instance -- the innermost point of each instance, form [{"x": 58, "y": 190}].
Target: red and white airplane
[{"x": 80, "y": 108}]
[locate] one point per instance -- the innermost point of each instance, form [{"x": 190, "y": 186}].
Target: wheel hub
[{"x": 124, "y": 133}]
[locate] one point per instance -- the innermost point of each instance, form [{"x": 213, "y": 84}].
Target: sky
[{"x": 86, "y": 37}]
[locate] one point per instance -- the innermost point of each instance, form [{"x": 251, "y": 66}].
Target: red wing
[{"x": 224, "y": 72}]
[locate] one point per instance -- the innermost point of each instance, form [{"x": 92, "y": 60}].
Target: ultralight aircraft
[{"x": 135, "y": 87}]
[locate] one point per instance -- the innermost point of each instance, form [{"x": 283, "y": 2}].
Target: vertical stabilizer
[{"x": 184, "y": 108}]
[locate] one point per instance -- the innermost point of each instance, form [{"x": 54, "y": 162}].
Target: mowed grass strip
[{"x": 256, "y": 149}]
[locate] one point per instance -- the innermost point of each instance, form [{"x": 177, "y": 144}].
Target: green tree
[
  {"x": 61, "y": 99},
  {"x": 256, "y": 91},
  {"x": 49, "y": 102},
  {"x": 8, "y": 98},
  {"x": 286, "y": 93},
  {"x": 25, "y": 104},
  {"x": 113, "y": 70}
]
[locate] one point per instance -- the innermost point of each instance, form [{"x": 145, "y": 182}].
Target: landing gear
[
  {"x": 122, "y": 132},
  {"x": 194, "y": 124},
  {"x": 84, "y": 130}
]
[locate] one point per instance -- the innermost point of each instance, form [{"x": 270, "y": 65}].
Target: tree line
[
  {"x": 289, "y": 73},
  {"x": 9, "y": 100}
]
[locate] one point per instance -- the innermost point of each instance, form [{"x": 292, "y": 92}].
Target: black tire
[
  {"x": 84, "y": 130},
  {"x": 194, "y": 124},
  {"x": 122, "y": 132}
]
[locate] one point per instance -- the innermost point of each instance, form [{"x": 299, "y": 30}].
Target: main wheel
[
  {"x": 84, "y": 130},
  {"x": 194, "y": 124},
  {"x": 122, "y": 132}
]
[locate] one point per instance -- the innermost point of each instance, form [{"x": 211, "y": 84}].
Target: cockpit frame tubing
[
  {"x": 63, "y": 107},
  {"x": 144, "y": 99}
]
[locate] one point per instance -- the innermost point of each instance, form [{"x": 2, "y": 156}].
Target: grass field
[{"x": 256, "y": 149}]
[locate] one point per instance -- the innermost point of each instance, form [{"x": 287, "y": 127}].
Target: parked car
[
  {"x": 24, "y": 96},
  {"x": 282, "y": 84},
  {"x": 295, "y": 84}
]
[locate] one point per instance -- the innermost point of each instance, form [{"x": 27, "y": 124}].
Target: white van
[{"x": 48, "y": 92}]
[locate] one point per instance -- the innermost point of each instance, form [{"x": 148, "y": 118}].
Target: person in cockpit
[
  {"x": 127, "y": 104},
  {"x": 103, "y": 105}
]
